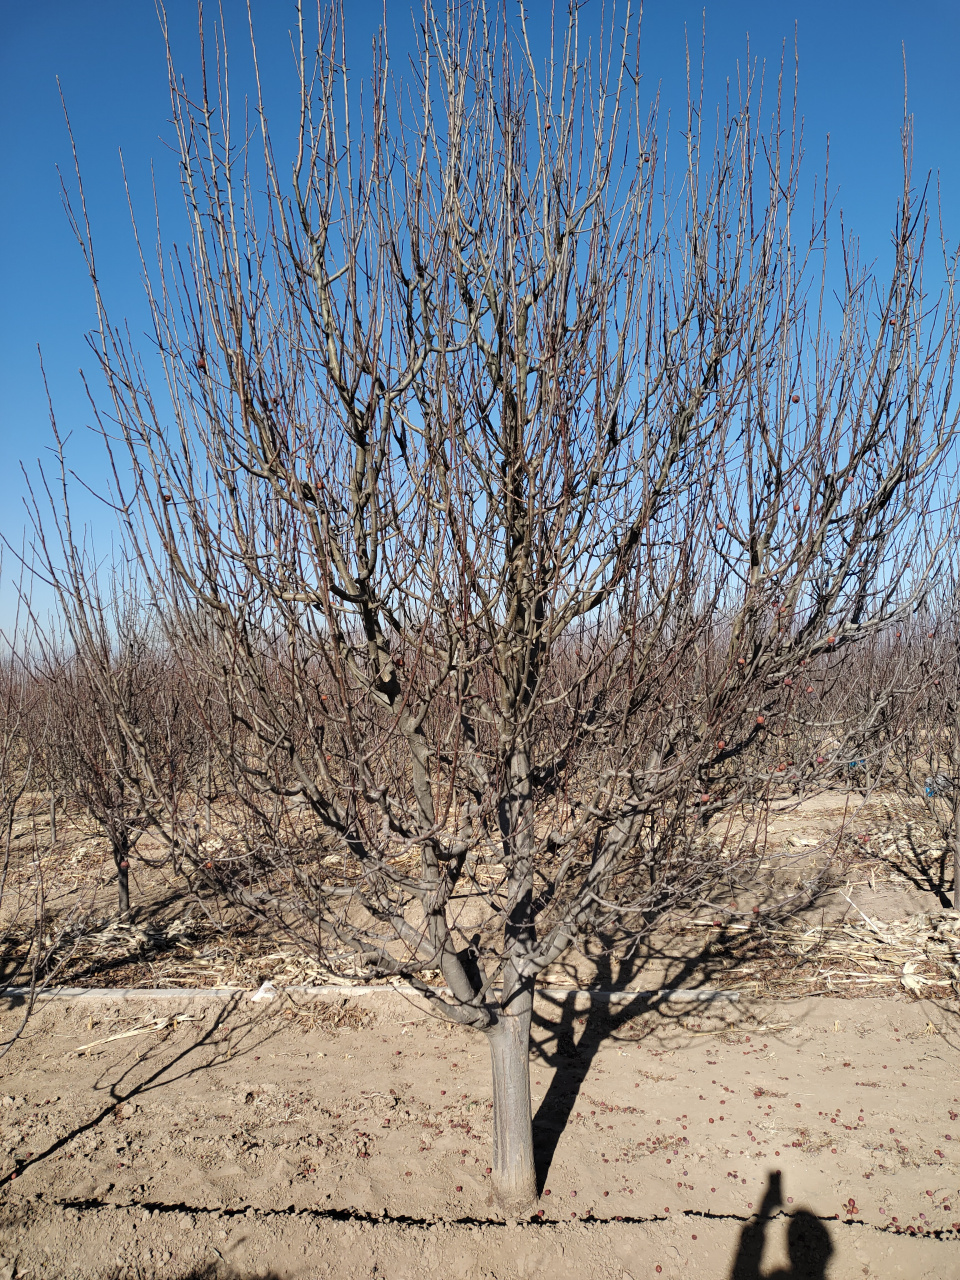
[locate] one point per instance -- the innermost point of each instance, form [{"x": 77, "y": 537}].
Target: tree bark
[
  {"x": 122, "y": 861},
  {"x": 514, "y": 1173},
  {"x": 955, "y": 801}
]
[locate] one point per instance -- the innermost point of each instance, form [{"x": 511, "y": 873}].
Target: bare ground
[
  {"x": 297, "y": 1138},
  {"x": 252, "y": 1143}
]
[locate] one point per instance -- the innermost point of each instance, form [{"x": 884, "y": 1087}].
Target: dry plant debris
[{"x": 919, "y": 952}]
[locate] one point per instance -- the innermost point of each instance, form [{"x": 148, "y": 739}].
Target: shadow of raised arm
[{"x": 808, "y": 1243}]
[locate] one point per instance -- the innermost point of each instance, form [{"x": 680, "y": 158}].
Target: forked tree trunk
[
  {"x": 956, "y": 856},
  {"x": 514, "y": 1174}
]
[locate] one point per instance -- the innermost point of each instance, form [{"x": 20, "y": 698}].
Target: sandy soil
[
  {"x": 254, "y": 1140},
  {"x": 206, "y": 1137}
]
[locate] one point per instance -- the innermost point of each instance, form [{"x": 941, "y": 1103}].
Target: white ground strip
[{"x": 268, "y": 991}]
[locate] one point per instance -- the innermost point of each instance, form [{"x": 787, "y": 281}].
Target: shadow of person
[{"x": 808, "y": 1243}]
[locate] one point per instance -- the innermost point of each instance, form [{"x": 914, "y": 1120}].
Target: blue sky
[{"x": 109, "y": 57}]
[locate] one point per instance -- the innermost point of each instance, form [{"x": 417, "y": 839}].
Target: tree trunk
[
  {"x": 514, "y": 1174},
  {"x": 122, "y": 861},
  {"x": 955, "y": 800}
]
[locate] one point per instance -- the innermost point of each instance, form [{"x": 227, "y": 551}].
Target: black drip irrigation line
[{"x": 407, "y": 1220}]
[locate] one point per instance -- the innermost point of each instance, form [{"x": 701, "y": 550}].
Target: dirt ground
[
  {"x": 256, "y": 1140},
  {"x": 804, "y": 1124}
]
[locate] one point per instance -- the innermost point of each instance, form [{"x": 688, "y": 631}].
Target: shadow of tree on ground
[
  {"x": 557, "y": 1044},
  {"x": 925, "y": 868},
  {"x": 221, "y": 1039}
]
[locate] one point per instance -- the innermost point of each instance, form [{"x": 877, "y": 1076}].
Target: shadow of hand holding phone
[{"x": 808, "y": 1243}]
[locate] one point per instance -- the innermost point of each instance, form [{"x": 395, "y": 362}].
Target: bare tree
[
  {"x": 93, "y": 771},
  {"x": 119, "y": 742},
  {"x": 928, "y": 741},
  {"x": 36, "y": 924},
  {"x": 517, "y": 479},
  {"x": 123, "y": 738},
  {"x": 22, "y": 916},
  {"x": 941, "y": 789}
]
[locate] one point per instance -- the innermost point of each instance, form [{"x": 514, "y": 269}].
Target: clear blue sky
[{"x": 109, "y": 57}]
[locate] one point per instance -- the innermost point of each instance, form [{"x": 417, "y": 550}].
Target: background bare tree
[
  {"x": 122, "y": 742},
  {"x": 93, "y": 765},
  {"x": 22, "y": 914},
  {"x": 514, "y": 481},
  {"x": 928, "y": 744},
  {"x": 37, "y": 922}
]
